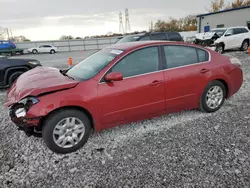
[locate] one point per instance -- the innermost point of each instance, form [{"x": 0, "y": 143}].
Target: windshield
[
  {"x": 128, "y": 39},
  {"x": 219, "y": 32},
  {"x": 92, "y": 65}
]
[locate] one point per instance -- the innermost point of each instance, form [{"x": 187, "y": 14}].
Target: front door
[
  {"x": 186, "y": 75},
  {"x": 140, "y": 93}
]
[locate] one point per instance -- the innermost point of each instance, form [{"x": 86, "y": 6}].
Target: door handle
[
  {"x": 203, "y": 71},
  {"x": 156, "y": 83}
]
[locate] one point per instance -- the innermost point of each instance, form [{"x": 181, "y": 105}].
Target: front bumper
[{"x": 28, "y": 125}]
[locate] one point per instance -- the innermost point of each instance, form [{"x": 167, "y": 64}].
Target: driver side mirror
[
  {"x": 228, "y": 34},
  {"x": 114, "y": 76}
]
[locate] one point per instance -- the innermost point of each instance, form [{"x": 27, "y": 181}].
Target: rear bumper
[{"x": 236, "y": 79}]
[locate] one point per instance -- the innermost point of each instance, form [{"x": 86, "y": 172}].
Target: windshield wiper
[{"x": 63, "y": 72}]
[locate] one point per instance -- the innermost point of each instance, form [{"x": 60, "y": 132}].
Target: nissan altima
[{"x": 120, "y": 84}]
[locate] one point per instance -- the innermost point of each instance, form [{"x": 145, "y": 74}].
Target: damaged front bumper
[{"x": 30, "y": 125}]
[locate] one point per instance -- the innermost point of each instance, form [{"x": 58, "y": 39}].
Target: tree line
[{"x": 188, "y": 23}]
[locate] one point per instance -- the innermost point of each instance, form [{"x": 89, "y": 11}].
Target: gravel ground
[{"x": 187, "y": 149}]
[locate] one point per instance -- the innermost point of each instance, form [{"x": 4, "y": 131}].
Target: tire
[
  {"x": 204, "y": 106},
  {"x": 51, "y": 124},
  {"x": 13, "y": 77},
  {"x": 52, "y": 51},
  {"x": 245, "y": 45},
  {"x": 34, "y": 51},
  {"x": 220, "y": 49}
]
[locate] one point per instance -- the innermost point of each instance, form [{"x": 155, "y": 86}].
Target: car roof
[
  {"x": 230, "y": 27},
  {"x": 137, "y": 44}
]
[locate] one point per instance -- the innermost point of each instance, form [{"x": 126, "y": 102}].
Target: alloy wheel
[
  {"x": 214, "y": 97},
  {"x": 68, "y": 132}
]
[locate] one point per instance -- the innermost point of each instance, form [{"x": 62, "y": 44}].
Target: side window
[
  {"x": 230, "y": 32},
  {"x": 248, "y": 24},
  {"x": 244, "y": 30},
  {"x": 203, "y": 55},
  {"x": 237, "y": 31},
  {"x": 139, "y": 62},
  {"x": 174, "y": 37},
  {"x": 177, "y": 56},
  {"x": 144, "y": 38},
  {"x": 158, "y": 36}
]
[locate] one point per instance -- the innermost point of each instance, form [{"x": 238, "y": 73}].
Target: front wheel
[
  {"x": 220, "y": 49},
  {"x": 213, "y": 97},
  {"x": 244, "y": 45},
  {"x": 66, "y": 131}
]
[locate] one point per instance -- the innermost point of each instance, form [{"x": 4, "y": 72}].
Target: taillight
[{"x": 235, "y": 61}]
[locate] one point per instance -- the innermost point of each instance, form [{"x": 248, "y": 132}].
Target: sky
[{"x": 50, "y": 19}]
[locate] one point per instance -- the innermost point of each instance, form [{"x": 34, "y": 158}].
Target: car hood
[
  {"x": 206, "y": 35},
  {"x": 40, "y": 80}
]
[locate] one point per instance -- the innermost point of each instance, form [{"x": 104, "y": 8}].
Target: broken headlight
[
  {"x": 28, "y": 102},
  {"x": 24, "y": 105}
]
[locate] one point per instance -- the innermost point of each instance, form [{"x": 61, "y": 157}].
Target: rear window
[
  {"x": 128, "y": 39},
  {"x": 158, "y": 36},
  {"x": 174, "y": 37}
]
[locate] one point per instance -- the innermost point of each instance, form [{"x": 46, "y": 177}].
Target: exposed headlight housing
[
  {"x": 28, "y": 102},
  {"x": 34, "y": 62}
]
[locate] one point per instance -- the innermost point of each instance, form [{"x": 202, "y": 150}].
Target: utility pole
[{"x": 7, "y": 30}]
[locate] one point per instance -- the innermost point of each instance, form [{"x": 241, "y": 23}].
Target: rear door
[
  {"x": 187, "y": 71},
  {"x": 139, "y": 94},
  {"x": 230, "y": 39}
]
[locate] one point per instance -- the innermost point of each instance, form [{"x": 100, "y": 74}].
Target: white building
[{"x": 226, "y": 18}]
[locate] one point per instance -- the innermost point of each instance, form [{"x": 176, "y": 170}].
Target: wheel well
[
  {"x": 9, "y": 73},
  {"x": 64, "y": 108},
  {"x": 222, "y": 43},
  {"x": 225, "y": 84}
]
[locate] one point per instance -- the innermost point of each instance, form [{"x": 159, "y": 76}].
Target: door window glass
[
  {"x": 177, "y": 56},
  {"x": 139, "y": 62}
]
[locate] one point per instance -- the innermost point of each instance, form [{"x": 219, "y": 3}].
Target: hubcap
[
  {"x": 68, "y": 132},
  {"x": 245, "y": 46},
  {"x": 219, "y": 50},
  {"x": 214, "y": 97}
]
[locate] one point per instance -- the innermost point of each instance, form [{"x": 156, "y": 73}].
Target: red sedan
[{"x": 117, "y": 85}]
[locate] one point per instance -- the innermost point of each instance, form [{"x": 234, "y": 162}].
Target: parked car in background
[
  {"x": 120, "y": 84},
  {"x": 7, "y": 44},
  {"x": 43, "y": 49},
  {"x": 11, "y": 69},
  {"x": 221, "y": 39},
  {"x": 169, "y": 36}
]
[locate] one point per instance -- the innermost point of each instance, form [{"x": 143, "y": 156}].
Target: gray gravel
[{"x": 187, "y": 149}]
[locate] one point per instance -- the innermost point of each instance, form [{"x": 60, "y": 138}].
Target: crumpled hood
[
  {"x": 38, "y": 81},
  {"x": 206, "y": 35}
]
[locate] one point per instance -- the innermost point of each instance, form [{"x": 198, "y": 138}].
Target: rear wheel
[
  {"x": 213, "y": 97},
  {"x": 52, "y": 51},
  {"x": 244, "y": 45},
  {"x": 66, "y": 131}
]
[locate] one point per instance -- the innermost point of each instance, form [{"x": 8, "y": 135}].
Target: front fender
[{"x": 66, "y": 98}]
